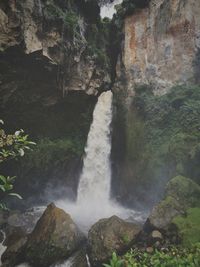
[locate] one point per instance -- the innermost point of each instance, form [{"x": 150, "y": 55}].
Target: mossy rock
[
  {"x": 184, "y": 190},
  {"x": 162, "y": 214},
  {"x": 189, "y": 226},
  {"x": 181, "y": 194}
]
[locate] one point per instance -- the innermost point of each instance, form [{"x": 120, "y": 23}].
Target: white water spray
[
  {"x": 94, "y": 182},
  {"x": 93, "y": 200},
  {"x": 108, "y": 10}
]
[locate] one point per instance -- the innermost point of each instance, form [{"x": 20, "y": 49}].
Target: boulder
[
  {"x": 14, "y": 252},
  {"x": 54, "y": 238},
  {"x": 181, "y": 194},
  {"x": 109, "y": 235},
  {"x": 80, "y": 259}
]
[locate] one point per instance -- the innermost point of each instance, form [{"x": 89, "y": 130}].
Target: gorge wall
[
  {"x": 159, "y": 50},
  {"x": 161, "y": 45}
]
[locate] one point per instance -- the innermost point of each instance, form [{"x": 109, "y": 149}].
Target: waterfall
[
  {"x": 94, "y": 185},
  {"x": 93, "y": 198},
  {"x": 108, "y": 10}
]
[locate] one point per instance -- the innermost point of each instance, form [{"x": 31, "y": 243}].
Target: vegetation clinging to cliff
[
  {"x": 162, "y": 135},
  {"x": 159, "y": 140}
]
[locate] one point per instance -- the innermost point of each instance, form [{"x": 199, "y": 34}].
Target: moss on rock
[
  {"x": 181, "y": 194},
  {"x": 184, "y": 190},
  {"x": 189, "y": 226}
]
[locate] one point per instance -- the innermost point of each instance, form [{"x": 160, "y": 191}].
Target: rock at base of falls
[
  {"x": 54, "y": 238},
  {"x": 109, "y": 235}
]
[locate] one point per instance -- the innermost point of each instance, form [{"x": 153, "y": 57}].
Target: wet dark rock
[
  {"x": 80, "y": 259},
  {"x": 55, "y": 238},
  {"x": 109, "y": 235},
  {"x": 14, "y": 252}
]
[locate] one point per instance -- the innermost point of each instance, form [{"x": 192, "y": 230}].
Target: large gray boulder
[{"x": 109, "y": 235}]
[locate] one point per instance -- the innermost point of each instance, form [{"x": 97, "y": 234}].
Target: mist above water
[{"x": 93, "y": 198}]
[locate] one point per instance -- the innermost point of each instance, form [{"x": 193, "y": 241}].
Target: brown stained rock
[
  {"x": 160, "y": 45},
  {"x": 54, "y": 238}
]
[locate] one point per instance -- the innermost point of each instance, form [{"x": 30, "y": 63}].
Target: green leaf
[{"x": 15, "y": 195}]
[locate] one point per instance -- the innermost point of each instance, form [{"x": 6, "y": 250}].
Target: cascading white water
[
  {"x": 108, "y": 10},
  {"x": 95, "y": 179},
  {"x": 93, "y": 199}
]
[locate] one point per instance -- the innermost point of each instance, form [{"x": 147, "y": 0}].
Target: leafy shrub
[
  {"x": 115, "y": 261},
  {"x": 176, "y": 257},
  {"x": 53, "y": 153},
  {"x": 12, "y": 146},
  {"x": 66, "y": 15},
  {"x": 162, "y": 140},
  {"x": 171, "y": 135}
]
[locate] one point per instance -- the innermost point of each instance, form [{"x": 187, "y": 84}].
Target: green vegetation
[
  {"x": 127, "y": 7},
  {"x": 12, "y": 146},
  {"x": 189, "y": 226},
  {"x": 186, "y": 191},
  {"x": 98, "y": 41},
  {"x": 115, "y": 261},
  {"x": 176, "y": 257},
  {"x": 67, "y": 15},
  {"x": 53, "y": 154},
  {"x": 163, "y": 136}
]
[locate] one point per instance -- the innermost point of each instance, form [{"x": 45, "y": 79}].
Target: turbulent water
[
  {"x": 93, "y": 200},
  {"x": 108, "y": 10},
  {"x": 95, "y": 179},
  {"x": 2, "y": 247}
]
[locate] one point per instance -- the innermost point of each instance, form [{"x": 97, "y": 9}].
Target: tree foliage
[{"x": 12, "y": 146}]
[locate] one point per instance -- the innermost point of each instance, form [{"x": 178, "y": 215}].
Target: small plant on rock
[{"x": 115, "y": 261}]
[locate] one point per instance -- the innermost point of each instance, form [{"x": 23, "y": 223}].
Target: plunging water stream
[
  {"x": 95, "y": 179},
  {"x": 93, "y": 198},
  {"x": 108, "y": 10}
]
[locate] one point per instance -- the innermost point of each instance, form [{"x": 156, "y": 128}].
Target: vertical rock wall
[{"x": 161, "y": 45}]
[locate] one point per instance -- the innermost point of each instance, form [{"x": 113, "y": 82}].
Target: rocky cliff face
[
  {"x": 58, "y": 31},
  {"x": 52, "y": 66},
  {"x": 161, "y": 45},
  {"x": 159, "y": 48}
]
